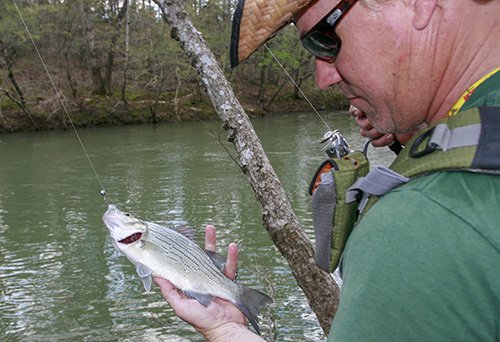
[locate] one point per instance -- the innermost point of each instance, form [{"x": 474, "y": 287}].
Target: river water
[{"x": 60, "y": 277}]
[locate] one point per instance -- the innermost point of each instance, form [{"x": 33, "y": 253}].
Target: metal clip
[{"x": 415, "y": 149}]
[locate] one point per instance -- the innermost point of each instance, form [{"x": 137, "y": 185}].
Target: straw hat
[{"x": 257, "y": 21}]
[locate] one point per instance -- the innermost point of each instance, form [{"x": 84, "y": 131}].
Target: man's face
[{"x": 374, "y": 68}]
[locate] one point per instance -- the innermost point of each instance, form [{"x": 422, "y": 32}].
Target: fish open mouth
[{"x": 131, "y": 238}]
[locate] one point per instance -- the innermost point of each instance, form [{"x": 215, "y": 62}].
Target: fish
[{"x": 171, "y": 253}]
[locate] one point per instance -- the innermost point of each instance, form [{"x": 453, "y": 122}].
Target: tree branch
[{"x": 278, "y": 216}]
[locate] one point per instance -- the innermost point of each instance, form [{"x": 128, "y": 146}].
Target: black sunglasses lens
[
  {"x": 322, "y": 41},
  {"x": 322, "y": 45}
]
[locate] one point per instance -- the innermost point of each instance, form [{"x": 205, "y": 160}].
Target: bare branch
[{"x": 278, "y": 216}]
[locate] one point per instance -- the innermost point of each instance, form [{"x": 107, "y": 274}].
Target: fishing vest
[{"x": 343, "y": 190}]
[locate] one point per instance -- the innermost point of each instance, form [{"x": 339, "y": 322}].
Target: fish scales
[
  {"x": 178, "y": 257},
  {"x": 189, "y": 253},
  {"x": 188, "y": 248},
  {"x": 159, "y": 251}
]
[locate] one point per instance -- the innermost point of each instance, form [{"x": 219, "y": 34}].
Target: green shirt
[{"x": 424, "y": 262}]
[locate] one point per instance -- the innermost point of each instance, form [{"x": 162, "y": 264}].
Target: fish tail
[{"x": 250, "y": 302}]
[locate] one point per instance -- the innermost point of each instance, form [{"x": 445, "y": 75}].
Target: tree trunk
[
  {"x": 98, "y": 80},
  {"x": 108, "y": 78},
  {"x": 262, "y": 87},
  {"x": 18, "y": 98},
  {"x": 279, "y": 219},
  {"x": 125, "y": 69}
]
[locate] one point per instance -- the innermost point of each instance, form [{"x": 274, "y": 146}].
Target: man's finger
[
  {"x": 210, "y": 238},
  {"x": 231, "y": 267},
  {"x": 383, "y": 140}
]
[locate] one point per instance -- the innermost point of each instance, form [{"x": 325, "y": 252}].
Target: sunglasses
[{"x": 321, "y": 40}]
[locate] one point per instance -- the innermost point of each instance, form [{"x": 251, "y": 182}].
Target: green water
[{"x": 60, "y": 277}]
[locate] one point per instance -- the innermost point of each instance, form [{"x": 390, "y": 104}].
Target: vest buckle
[{"x": 415, "y": 150}]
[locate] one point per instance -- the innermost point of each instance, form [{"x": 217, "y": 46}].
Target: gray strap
[
  {"x": 377, "y": 182},
  {"x": 448, "y": 139},
  {"x": 323, "y": 210}
]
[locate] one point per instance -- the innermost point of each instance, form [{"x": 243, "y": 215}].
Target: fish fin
[
  {"x": 142, "y": 270},
  {"x": 147, "y": 282},
  {"x": 204, "y": 299},
  {"x": 218, "y": 259},
  {"x": 250, "y": 302},
  {"x": 146, "y": 275},
  {"x": 188, "y": 232}
]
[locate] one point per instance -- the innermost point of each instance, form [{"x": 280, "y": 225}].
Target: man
[{"x": 423, "y": 263}]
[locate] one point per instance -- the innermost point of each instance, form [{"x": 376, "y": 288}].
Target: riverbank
[{"x": 110, "y": 111}]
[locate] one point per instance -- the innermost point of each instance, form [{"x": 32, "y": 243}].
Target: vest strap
[
  {"x": 447, "y": 139},
  {"x": 377, "y": 182},
  {"x": 488, "y": 150}
]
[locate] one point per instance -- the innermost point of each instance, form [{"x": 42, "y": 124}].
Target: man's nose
[{"x": 326, "y": 74}]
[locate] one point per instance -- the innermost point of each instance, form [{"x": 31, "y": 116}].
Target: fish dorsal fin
[
  {"x": 218, "y": 259},
  {"x": 188, "y": 232},
  {"x": 146, "y": 275}
]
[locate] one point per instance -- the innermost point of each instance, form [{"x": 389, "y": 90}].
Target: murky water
[{"x": 60, "y": 277}]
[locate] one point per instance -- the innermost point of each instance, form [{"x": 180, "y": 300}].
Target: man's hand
[
  {"x": 221, "y": 320},
  {"x": 378, "y": 139},
  {"x": 231, "y": 267}
]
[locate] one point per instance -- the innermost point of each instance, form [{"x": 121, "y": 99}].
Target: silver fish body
[{"x": 160, "y": 251}]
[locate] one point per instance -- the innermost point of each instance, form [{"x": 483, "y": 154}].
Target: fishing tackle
[{"x": 336, "y": 144}]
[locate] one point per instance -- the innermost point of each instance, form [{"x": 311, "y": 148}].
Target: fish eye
[{"x": 127, "y": 214}]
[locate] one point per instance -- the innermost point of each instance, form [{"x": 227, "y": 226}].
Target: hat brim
[{"x": 257, "y": 21}]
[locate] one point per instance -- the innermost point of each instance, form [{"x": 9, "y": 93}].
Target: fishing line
[
  {"x": 336, "y": 145},
  {"x": 103, "y": 191},
  {"x": 297, "y": 86}
]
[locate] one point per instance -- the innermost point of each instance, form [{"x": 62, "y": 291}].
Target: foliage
[
  {"x": 13, "y": 39},
  {"x": 92, "y": 60}
]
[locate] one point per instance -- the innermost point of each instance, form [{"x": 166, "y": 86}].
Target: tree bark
[
  {"x": 98, "y": 80},
  {"x": 125, "y": 69},
  {"x": 108, "y": 69},
  {"x": 19, "y": 100},
  {"x": 279, "y": 219}
]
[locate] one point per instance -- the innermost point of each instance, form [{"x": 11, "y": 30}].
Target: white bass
[{"x": 160, "y": 251}]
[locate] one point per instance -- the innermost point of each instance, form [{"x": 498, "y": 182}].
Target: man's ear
[{"x": 423, "y": 11}]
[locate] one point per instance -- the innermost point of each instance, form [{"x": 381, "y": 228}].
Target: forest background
[{"x": 114, "y": 62}]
